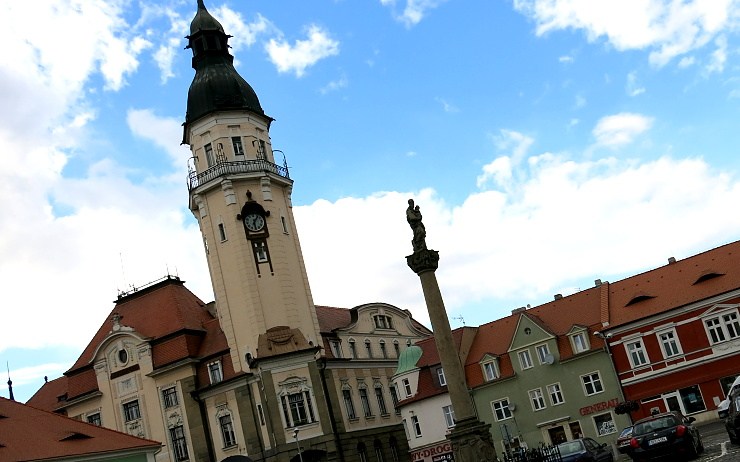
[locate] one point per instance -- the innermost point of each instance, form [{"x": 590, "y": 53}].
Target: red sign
[
  {"x": 586, "y": 410},
  {"x": 440, "y": 449}
]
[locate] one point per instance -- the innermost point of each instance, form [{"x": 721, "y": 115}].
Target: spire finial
[
  {"x": 201, "y": 5},
  {"x": 10, "y": 383}
]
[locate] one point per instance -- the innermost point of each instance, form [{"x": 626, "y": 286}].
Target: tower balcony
[{"x": 196, "y": 179}]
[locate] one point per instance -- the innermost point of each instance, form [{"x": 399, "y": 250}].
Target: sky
[{"x": 548, "y": 143}]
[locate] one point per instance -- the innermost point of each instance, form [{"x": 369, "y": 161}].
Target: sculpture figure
[{"x": 413, "y": 216}]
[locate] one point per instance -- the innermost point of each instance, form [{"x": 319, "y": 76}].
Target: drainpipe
[{"x": 337, "y": 441}]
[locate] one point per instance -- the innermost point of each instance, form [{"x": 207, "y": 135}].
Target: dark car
[
  {"x": 585, "y": 449},
  {"x": 666, "y": 435},
  {"x": 623, "y": 441},
  {"x": 732, "y": 422}
]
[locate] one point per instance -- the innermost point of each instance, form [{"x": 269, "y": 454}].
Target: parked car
[
  {"x": 623, "y": 440},
  {"x": 585, "y": 449},
  {"x": 670, "y": 434},
  {"x": 732, "y": 422},
  {"x": 724, "y": 406}
]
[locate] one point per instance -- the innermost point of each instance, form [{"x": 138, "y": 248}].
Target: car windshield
[
  {"x": 571, "y": 447},
  {"x": 661, "y": 423}
]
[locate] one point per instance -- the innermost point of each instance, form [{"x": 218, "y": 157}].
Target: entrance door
[{"x": 673, "y": 402}]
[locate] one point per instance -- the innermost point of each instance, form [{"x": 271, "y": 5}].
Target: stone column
[{"x": 470, "y": 438}]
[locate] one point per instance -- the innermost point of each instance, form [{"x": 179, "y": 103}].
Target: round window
[{"x": 123, "y": 356}]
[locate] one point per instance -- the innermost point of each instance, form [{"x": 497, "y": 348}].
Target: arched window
[
  {"x": 362, "y": 452},
  {"x": 378, "y": 451}
]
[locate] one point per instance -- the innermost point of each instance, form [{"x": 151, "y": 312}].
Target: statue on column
[{"x": 413, "y": 216}]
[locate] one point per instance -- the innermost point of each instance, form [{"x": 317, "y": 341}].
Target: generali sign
[
  {"x": 586, "y": 410},
  {"x": 433, "y": 452}
]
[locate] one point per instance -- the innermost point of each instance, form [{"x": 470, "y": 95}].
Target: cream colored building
[{"x": 261, "y": 372}]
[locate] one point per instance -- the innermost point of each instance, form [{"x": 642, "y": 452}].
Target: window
[
  {"x": 579, "y": 342},
  {"x": 501, "y": 409},
  {"x": 214, "y": 372},
  {"x": 179, "y": 445},
  {"x": 525, "y": 360},
  {"x": 122, "y": 356},
  {"x": 236, "y": 141},
  {"x": 365, "y": 401},
  {"x": 592, "y": 383},
  {"x": 416, "y": 425},
  {"x": 352, "y": 349},
  {"x": 394, "y": 398},
  {"x": 692, "y": 399},
  {"x": 449, "y": 415},
  {"x": 396, "y": 348},
  {"x": 336, "y": 348},
  {"x": 261, "y": 414},
  {"x": 669, "y": 343},
  {"x": 368, "y": 349},
  {"x": 209, "y": 155},
  {"x": 538, "y": 401},
  {"x": 383, "y": 322},
  {"x": 636, "y": 353},
  {"x": 381, "y": 400},
  {"x": 555, "y": 393},
  {"x": 297, "y": 408},
  {"x": 227, "y": 430},
  {"x": 362, "y": 452},
  {"x": 349, "y": 406},
  {"x": 394, "y": 449},
  {"x": 94, "y": 419},
  {"x": 490, "y": 371},
  {"x": 723, "y": 327},
  {"x": 441, "y": 377},
  {"x": 284, "y": 223},
  {"x": 169, "y": 397},
  {"x": 260, "y": 251},
  {"x": 261, "y": 149},
  {"x": 131, "y": 411},
  {"x": 383, "y": 352},
  {"x": 406, "y": 387},
  {"x": 378, "y": 451},
  {"x": 222, "y": 231},
  {"x": 604, "y": 424},
  {"x": 542, "y": 352}
]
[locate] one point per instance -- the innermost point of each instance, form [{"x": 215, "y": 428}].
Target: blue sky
[{"x": 548, "y": 142}]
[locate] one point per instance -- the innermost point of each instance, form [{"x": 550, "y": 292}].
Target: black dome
[{"x": 204, "y": 21}]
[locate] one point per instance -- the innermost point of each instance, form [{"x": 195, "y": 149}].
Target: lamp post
[{"x": 297, "y": 445}]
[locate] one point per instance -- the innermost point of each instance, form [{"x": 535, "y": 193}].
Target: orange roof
[
  {"x": 27, "y": 434},
  {"x": 331, "y": 318},
  {"x": 674, "y": 285},
  {"x": 48, "y": 396}
]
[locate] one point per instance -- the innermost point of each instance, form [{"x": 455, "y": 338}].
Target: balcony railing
[{"x": 196, "y": 179}]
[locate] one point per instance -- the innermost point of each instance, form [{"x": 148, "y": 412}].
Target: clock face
[{"x": 254, "y": 222}]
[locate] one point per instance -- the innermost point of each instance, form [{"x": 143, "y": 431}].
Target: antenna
[{"x": 459, "y": 318}]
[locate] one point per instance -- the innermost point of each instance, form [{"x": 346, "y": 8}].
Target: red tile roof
[
  {"x": 47, "y": 397},
  {"x": 331, "y": 318},
  {"x": 30, "y": 434},
  {"x": 675, "y": 285}
]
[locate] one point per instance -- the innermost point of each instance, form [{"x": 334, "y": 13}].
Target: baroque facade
[{"x": 262, "y": 372}]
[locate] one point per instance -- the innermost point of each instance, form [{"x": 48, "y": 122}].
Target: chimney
[
  {"x": 597, "y": 282},
  {"x": 518, "y": 310},
  {"x": 558, "y": 296},
  {"x": 671, "y": 260}
]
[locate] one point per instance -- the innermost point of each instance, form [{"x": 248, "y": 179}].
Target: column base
[{"x": 471, "y": 441}]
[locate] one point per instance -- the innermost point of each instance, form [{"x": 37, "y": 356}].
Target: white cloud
[
  {"x": 560, "y": 220},
  {"x": 566, "y": 59},
  {"x": 718, "y": 58},
  {"x": 515, "y": 145},
  {"x": 304, "y": 53},
  {"x": 633, "y": 88},
  {"x": 335, "y": 85},
  {"x": 667, "y": 28},
  {"x": 414, "y": 10},
  {"x": 620, "y": 129},
  {"x": 166, "y": 133},
  {"x": 448, "y": 107},
  {"x": 245, "y": 34}
]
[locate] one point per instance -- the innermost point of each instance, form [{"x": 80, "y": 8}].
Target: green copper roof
[{"x": 408, "y": 359}]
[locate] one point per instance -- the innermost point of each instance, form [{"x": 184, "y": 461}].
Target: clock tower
[{"x": 242, "y": 200}]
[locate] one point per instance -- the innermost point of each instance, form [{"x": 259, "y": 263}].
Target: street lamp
[{"x": 295, "y": 435}]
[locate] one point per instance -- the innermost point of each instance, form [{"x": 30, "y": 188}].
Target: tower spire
[{"x": 10, "y": 383}]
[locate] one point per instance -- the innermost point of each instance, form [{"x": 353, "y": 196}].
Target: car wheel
[
  {"x": 693, "y": 450},
  {"x": 701, "y": 445},
  {"x": 733, "y": 438}
]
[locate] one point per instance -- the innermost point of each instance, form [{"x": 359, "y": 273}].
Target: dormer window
[
  {"x": 579, "y": 342},
  {"x": 214, "y": 372},
  {"x": 441, "y": 377},
  {"x": 490, "y": 368},
  {"x": 383, "y": 321}
]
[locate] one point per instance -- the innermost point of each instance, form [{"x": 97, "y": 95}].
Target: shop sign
[
  {"x": 586, "y": 410},
  {"x": 439, "y": 453}
]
